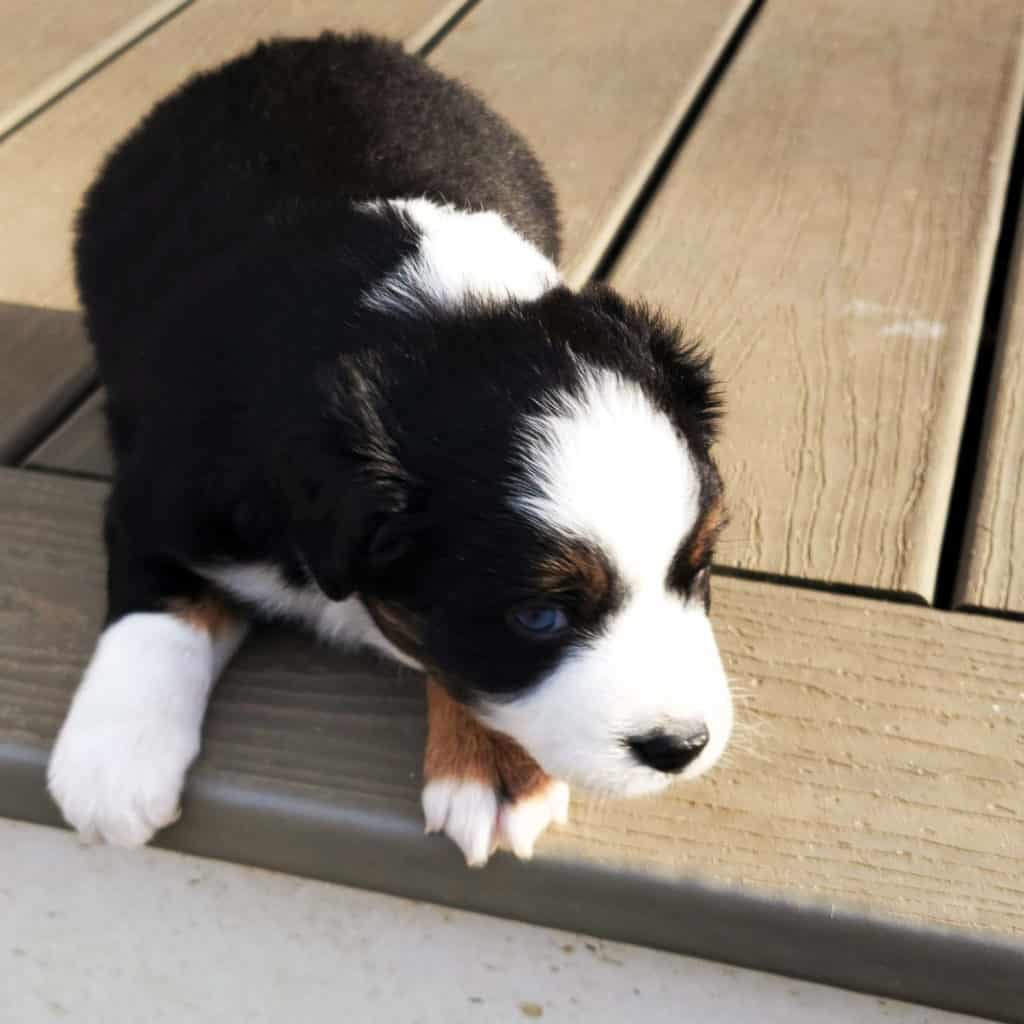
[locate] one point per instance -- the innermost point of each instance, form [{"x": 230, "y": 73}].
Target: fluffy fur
[{"x": 347, "y": 386}]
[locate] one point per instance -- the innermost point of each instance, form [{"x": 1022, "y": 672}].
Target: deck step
[{"x": 867, "y": 829}]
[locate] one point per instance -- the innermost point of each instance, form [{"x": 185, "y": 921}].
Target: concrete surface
[{"x": 101, "y": 936}]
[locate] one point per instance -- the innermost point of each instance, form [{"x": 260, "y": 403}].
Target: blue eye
[{"x": 539, "y": 621}]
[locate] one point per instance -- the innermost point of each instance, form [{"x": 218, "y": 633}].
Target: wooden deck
[{"x": 828, "y": 194}]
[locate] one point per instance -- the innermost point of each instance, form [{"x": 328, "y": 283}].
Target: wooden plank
[
  {"x": 79, "y": 445},
  {"x": 44, "y": 353},
  {"x": 867, "y": 828},
  {"x": 992, "y": 566},
  {"x": 47, "y": 164},
  {"x": 829, "y": 230},
  {"x": 598, "y": 95},
  {"x": 50, "y": 47}
]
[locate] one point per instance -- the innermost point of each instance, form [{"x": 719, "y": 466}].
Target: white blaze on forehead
[
  {"x": 461, "y": 255},
  {"x": 609, "y": 466}
]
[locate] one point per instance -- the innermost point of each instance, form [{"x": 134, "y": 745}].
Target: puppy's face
[{"x": 561, "y": 587}]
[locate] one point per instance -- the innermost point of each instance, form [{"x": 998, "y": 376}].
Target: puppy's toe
[
  {"x": 523, "y": 821},
  {"x": 467, "y": 812},
  {"x": 120, "y": 786}
]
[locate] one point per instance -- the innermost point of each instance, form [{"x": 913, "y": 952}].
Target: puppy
[{"x": 346, "y": 386}]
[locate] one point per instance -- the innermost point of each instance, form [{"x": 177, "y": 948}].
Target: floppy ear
[
  {"x": 330, "y": 511},
  {"x": 347, "y": 523}
]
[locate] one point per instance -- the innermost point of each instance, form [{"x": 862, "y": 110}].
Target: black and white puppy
[{"x": 347, "y": 386}]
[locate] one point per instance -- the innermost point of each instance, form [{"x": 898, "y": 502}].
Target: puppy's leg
[
  {"x": 481, "y": 788},
  {"x": 133, "y": 729}
]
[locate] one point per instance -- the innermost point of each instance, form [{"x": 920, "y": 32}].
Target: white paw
[
  {"x": 118, "y": 767},
  {"x": 476, "y": 819},
  {"x": 467, "y": 812},
  {"x": 520, "y": 824}
]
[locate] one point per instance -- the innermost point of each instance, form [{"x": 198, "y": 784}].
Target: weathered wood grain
[
  {"x": 829, "y": 229},
  {"x": 872, "y": 802},
  {"x": 79, "y": 445},
  {"x": 597, "y": 95},
  {"x": 992, "y": 564},
  {"x": 46, "y": 48},
  {"x": 46, "y": 165}
]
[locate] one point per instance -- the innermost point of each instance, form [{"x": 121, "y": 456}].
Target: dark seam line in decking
[
  {"x": 682, "y": 132},
  {"x": 991, "y": 613},
  {"x": 87, "y": 73},
  {"x": 23, "y": 448},
  {"x": 982, "y": 387},
  {"x": 430, "y": 44},
  {"x": 882, "y": 596},
  {"x": 63, "y": 471}
]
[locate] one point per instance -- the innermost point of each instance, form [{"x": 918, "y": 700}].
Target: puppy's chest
[{"x": 261, "y": 587}]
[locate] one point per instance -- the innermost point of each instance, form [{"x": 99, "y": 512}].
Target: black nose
[{"x": 665, "y": 752}]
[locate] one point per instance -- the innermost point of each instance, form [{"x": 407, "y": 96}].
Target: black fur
[{"x": 259, "y": 412}]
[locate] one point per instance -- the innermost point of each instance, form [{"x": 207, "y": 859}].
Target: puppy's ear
[
  {"x": 682, "y": 369},
  {"x": 339, "y": 513}
]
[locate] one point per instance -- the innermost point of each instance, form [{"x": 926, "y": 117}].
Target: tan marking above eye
[
  {"x": 706, "y": 533},
  {"x": 576, "y": 566}
]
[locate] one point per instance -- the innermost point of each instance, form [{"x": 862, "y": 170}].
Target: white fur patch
[
  {"x": 521, "y": 824},
  {"x": 133, "y": 729},
  {"x": 467, "y": 812},
  {"x": 344, "y": 623},
  {"x": 461, "y": 256},
  {"x": 476, "y": 819},
  {"x": 610, "y": 468}
]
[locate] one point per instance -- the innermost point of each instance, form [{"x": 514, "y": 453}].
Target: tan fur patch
[
  {"x": 209, "y": 613},
  {"x": 459, "y": 747}
]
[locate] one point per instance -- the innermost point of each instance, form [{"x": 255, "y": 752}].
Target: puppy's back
[{"x": 291, "y": 124}]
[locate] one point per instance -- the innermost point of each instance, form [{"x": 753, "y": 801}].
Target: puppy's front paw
[
  {"x": 522, "y": 821},
  {"x": 118, "y": 767},
  {"x": 483, "y": 790},
  {"x": 467, "y": 812},
  {"x": 120, "y": 783}
]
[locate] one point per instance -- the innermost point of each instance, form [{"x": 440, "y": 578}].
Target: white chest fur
[{"x": 343, "y": 623}]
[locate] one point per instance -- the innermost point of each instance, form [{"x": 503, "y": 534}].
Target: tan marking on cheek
[
  {"x": 459, "y": 747},
  {"x": 710, "y": 525},
  {"x": 208, "y": 613}
]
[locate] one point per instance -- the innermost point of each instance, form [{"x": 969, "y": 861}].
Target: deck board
[
  {"x": 79, "y": 445},
  {"x": 47, "y": 47},
  {"x": 992, "y": 568},
  {"x": 829, "y": 229},
  {"x": 46, "y": 165},
  {"x": 598, "y": 97},
  {"x": 871, "y": 802}
]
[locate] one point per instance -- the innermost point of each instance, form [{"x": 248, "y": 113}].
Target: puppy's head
[{"x": 550, "y": 559}]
